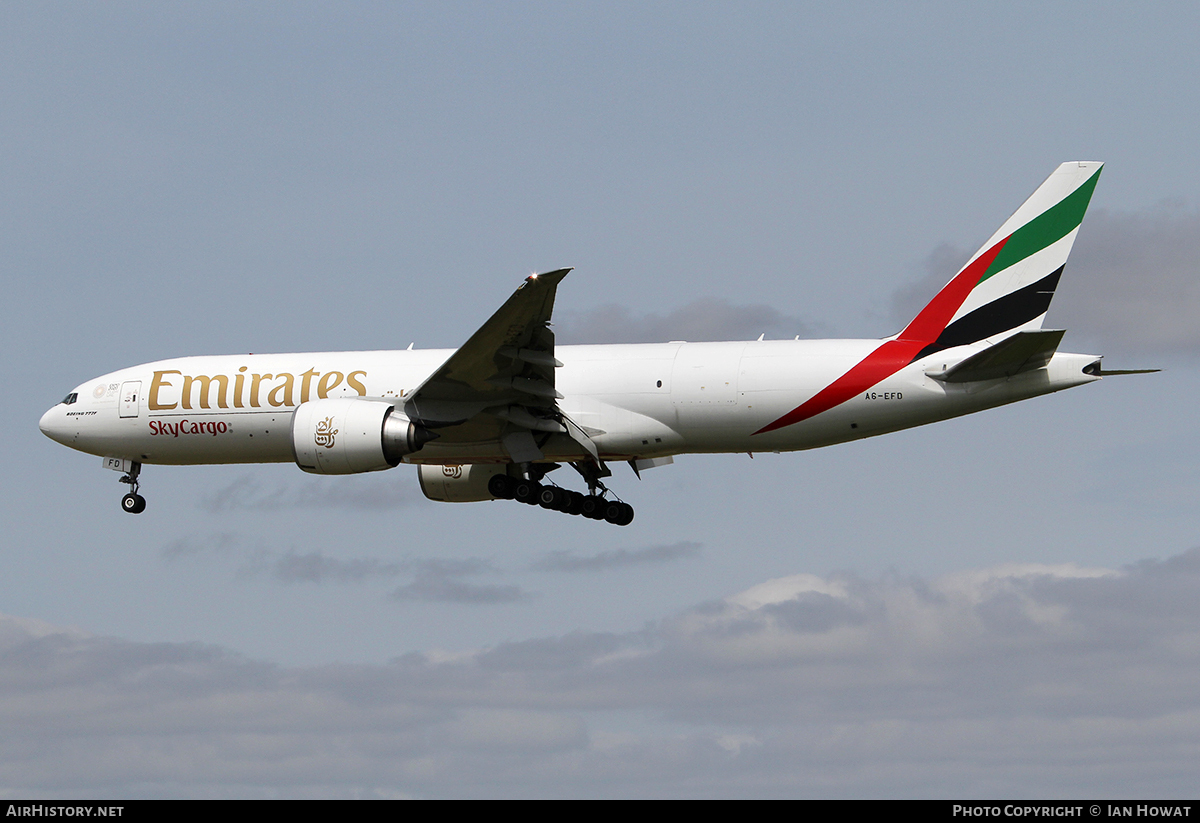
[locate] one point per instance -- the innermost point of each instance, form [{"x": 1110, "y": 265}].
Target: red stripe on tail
[{"x": 894, "y": 355}]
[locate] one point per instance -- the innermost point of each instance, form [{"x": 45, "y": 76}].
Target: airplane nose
[{"x": 50, "y": 424}]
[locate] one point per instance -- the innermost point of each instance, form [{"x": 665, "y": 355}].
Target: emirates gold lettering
[
  {"x": 213, "y": 391},
  {"x": 255, "y": 379},
  {"x": 329, "y": 381},
  {"x": 284, "y": 388},
  {"x": 205, "y": 383},
  {"x": 156, "y": 384},
  {"x": 305, "y": 383},
  {"x": 238, "y": 380}
]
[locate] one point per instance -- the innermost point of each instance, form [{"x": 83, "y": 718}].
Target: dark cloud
[
  {"x": 565, "y": 561},
  {"x": 703, "y": 319},
  {"x": 369, "y": 492},
  {"x": 1135, "y": 286},
  {"x": 1013, "y": 681},
  {"x": 1131, "y": 286}
]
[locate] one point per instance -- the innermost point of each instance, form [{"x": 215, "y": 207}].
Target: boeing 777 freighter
[{"x": 491, "y": 419}]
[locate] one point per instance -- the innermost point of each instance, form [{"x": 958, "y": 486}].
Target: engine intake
[{"x": 352, "y": 435}]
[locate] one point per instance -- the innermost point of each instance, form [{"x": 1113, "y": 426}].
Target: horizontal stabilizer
[
  {"x": 1115, "y": 372},
  {"x": 1023, "y": 351}
]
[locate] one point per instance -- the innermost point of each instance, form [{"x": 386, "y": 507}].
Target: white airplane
[{"x": 492, "y": 418}]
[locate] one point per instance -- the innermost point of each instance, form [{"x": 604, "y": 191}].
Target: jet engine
[
  {"x": 459, "y": 484},
  {"x": 351, "y": 435}
]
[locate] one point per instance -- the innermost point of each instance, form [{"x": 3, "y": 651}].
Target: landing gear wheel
[
  {"x": 133, "y": 503},
  {"x": 552, "y": 497},
  {"x": 593, "y": 507},
  {"x": 626, "y": 516},
  {"x": 614, "y": 511},
  {"x": 527, "y": 491},
  {"x": 575, "y": 503},
  {"x": 501, "y": 487}
]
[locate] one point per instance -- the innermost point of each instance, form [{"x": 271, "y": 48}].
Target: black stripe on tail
[{"x": 1005, "y": 313}]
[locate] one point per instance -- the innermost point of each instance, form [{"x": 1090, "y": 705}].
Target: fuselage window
[{"x": 70, "y": 398}]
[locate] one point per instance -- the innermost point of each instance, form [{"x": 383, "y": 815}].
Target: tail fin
[
  {"x": 1007, "y": 286},
  {"x": 1004, "y": 289}
]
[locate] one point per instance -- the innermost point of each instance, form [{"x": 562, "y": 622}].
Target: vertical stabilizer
[
  {"x": 1008, "y": 284},
  {"x": 1004, "y": 289}
]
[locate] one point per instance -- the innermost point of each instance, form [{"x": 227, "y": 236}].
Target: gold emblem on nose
[{"x": 325, "y": 433}]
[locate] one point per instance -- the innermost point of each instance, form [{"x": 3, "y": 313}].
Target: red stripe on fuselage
[{"x": 893, "y": 355}]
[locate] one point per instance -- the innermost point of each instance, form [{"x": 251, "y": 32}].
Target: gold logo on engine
[
  {"x": 325, "y": 433},
  {"x": 453, "y": 472}
]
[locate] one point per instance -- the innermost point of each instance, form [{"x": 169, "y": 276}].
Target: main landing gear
[
  {"x": 594, "y": 506},
  {"x": 133, "y": 502}
]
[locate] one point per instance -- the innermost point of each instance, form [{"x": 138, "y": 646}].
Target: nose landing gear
[{"x": 133, "y": 502}]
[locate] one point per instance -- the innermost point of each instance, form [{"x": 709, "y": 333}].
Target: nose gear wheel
[{"x": 133, "y": 502}]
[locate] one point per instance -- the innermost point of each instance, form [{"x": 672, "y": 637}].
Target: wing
[{"x": 499, "y": 386}]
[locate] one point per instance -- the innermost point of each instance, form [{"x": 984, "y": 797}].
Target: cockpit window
[{"x": 70, "y": 398}]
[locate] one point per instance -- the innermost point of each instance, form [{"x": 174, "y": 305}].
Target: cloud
[
  {"x": 433, "y": 579},
  {"x": 1138, "y": 289},
  {"x": 287, "y": 566},
  {"x": 1129, "y": 288},
  {"x": 191, "y": 545},
  {"x": 441, "y": 580},
  {"x": 315, "y": 567},
  {"x": 565, "y": 561},
  {"x": 457, "y": 591},
  {"x": 1020, "y": 680},
  {"x": 366, "y": 492},
  {"x": 706, "y": 318}
]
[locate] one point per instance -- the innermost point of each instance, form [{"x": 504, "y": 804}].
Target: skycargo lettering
[
  {"x": 188, "y": 427},
  {"x": 170, "y": 389}
]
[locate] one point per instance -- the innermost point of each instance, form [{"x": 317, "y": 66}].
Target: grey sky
[
  {"x": 565, "y": 561},
  {"x": 219, "y": 178},
  {"x": 248, "y": 493},
  {"x": 706, "y": 318}
]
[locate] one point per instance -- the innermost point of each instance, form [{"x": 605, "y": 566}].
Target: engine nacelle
[
  {"x": 351, "y": 435},
  {"x": 459, "y": 484}
]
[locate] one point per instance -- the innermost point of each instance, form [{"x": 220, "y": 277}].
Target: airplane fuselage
[
  {"x": 490, "y": 419},
  {"x": 636, "y": 400}
]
